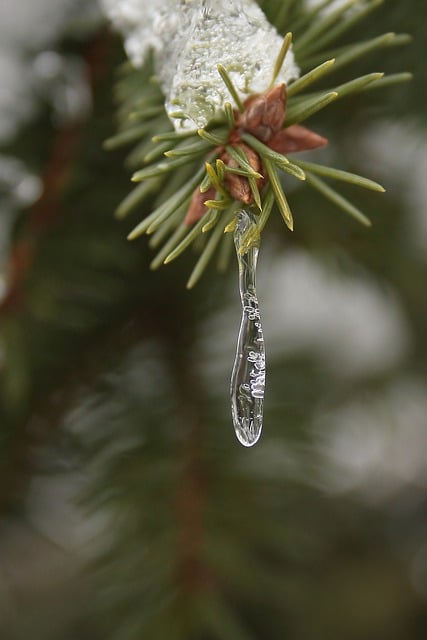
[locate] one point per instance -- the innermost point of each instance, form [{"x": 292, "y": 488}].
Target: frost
[{"x": 190, "y": 38}]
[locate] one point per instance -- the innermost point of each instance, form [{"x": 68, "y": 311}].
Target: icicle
[{"x": 248, "y": 375}]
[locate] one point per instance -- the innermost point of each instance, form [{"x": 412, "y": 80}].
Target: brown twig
[
  {"x": 39, "y": 219},
  {"x": 55, "y": 178}
]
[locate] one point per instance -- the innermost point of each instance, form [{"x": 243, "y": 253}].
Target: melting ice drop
[{"x": 248, "y": 375}]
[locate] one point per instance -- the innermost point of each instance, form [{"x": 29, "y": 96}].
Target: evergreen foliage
[
  {"x": 314, "y": 34},
  {"x": 113, "y": 378}
]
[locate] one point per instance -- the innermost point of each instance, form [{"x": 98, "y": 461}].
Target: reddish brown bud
[
  {"x": 238, "y": 186},
  {"x": 197, "y": 208},
  {"x": 263, "y": 117},
  {"x": 251, "y": 155},
  {"x": 265, "y": 113},
  {"x": 296, "y": 138}
]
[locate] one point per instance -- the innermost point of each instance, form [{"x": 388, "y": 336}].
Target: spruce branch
[{"x": 236, "y": 160}]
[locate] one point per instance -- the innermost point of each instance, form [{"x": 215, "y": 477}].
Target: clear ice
[
  {"x": 248, "y": 375},
  {"x": 189, "y": 38}
]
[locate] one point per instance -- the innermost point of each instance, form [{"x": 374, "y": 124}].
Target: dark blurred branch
[
  {"x": 18, "y": 434},
  {"x": 55, "y": 179}
]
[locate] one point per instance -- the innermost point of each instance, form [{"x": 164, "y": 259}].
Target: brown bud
[
  {"x": 238, "y": 186},
  {"x": 296, "y": 138},
  {"x": 265, "y": 113},
  {"x": 197, "y": 208},
  {"x": 251, "y": 155}
]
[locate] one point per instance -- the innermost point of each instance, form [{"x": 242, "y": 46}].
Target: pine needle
[
  {"x": 206, "y": 255},
  {"x": 205, "y": 183},
  {"x": 241, "y": 172},
  {"x": 321, "y": 26},
  {"x": 281, "y": 201},
  {"x": 131, "y": 134},
  {"x": 146, "y": 113},
  {"x": 220, "y": 169},
  {"x": 287, "y": 41},
  {"x": 255, "y": 192},
  {"x": 349, "y": 53},
  {"x": 213, "y": 218},
  {"x": 240, "y": 157},
  {"x": 215, "y": 180},
  {"x": 173, "y": 136},
  {"x": 166, "y": 209},
  {"x": 173, "y": 241},
  {"x": 219, "y": 204},
  {"x": 309, "y": 15},
  {"x": 267, "y": 206},
  {"x": 185, "y": 242},
  {"x": 229, "y": 114},
  {"x": 142, "y": 226},
  {"x": 161, "y": 168},
  {"x": 344, "y": 25},
  {"x": 280, "y": 161},
  {"x": 293, "y": 170},
  {"x": 230, "y": 86},
  {"x": 135, "y": 158},
  {"x": 188, "y": 150},
  {"x": 166, "y": 228},
  {"x": 337, "y": 199},
  {"x": 338, "y": 174},
  {"x": 225, "y": 252},
  {"x": 157, "y": 152},
  {"x": 312, "y": 76},
  {"x": 282, "y": 17},
  {"x": 136, "y": 196},
  {"x": 263, "y": 150},
  {"x": 390, "y": 80},
  {"x": 216, "y": 139},
  {"x": 358, "y": 84},
  {"x": 302, "y": 111}
]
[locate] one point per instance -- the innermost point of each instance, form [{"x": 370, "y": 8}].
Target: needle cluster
[{"x": 199, "y": 179}]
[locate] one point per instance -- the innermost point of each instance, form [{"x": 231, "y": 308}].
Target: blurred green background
[{"x": 127, "y": 508}]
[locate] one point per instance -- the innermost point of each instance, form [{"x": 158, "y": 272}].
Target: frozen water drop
[{"x": 248, "y": 375}]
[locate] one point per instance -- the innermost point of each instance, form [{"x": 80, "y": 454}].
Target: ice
[
  {"x": 248, "y": 375},
  {"x": 189, "y": 38}
]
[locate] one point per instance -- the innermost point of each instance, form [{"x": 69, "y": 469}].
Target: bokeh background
[{"x": 127, "y": 508}]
